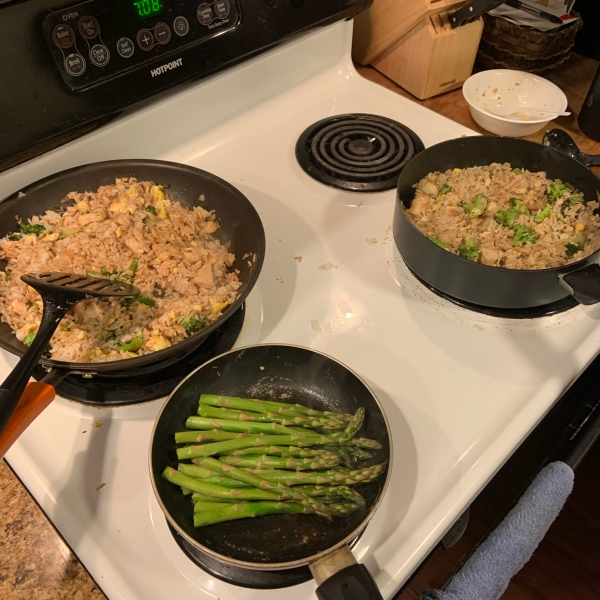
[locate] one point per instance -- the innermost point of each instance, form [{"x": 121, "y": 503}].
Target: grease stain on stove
[{"x": 97, "y": 424}]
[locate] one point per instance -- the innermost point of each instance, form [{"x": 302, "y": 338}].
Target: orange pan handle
[{"x": 36, "y": 397}]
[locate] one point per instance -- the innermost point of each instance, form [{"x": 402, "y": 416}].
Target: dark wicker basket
[{"x": 506, "y": 45}]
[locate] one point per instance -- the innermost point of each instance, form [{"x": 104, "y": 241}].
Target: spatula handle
[
  {"x": 15, "y": 383},
  {"x": 36, "y": 397}
]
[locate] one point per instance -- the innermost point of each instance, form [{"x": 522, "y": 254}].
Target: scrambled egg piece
[
  {"x": 95, "y": 353},
  {"x": 161, "y": 201},
  {"x": 157, "y": 342},
  {"x": 121, "y": 207},
  {"x": 579, "y": 227},
  {"x": 83, "y": 205},
  {"x": 218, "y": 306}
]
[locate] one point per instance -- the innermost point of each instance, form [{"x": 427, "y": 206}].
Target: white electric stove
[{"x": 461, "y": 389}]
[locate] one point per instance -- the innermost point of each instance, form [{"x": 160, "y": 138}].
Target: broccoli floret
[
  {"x": 15, "y": 237},
  {"x": 518, "y": 205},
  {"x": 437, "y": 242},
  {"x": 152, "y": 210},
  {"x": 555, "y": 191},
  {"x": 517, "y": 171},
  {"x": 524, "y": 234},
  {"x": 193, "y": 323},
  {"x": 27, "y": 228},
  {"x": 543, "y": 213},
  {"x": 469, "y": 250},
  {"x": 476, "y": 207},
  {"x": 442, "y": 193},
  {"x": 91, "y": 273},
  {"x": 106, "y": 273},
  {"x": 571, "y": 249},
  {"x": 133, "y": 345},
  {"x": 146, "y": 300},
  {"x": 146, "y": 220},
  {"x": 66, "y": 326}
]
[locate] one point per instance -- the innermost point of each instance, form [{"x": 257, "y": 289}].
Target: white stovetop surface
[{"x": 461, "y": 392}]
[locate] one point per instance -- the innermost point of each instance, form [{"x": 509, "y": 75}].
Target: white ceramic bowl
[{"x": 515, "y": 88}]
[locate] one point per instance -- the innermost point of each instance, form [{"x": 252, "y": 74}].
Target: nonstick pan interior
[
  {"x": 240, "y": 225},
  {"x": 288, "y": 374}
]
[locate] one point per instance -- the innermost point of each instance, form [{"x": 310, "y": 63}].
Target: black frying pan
[
  {"x": 481, "y": 284},
  {"x": 240, "y": 224},
  {"x": 282, "y": 541}
]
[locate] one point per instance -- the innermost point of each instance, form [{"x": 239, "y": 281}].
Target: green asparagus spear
[
  {"x": 239, "y": 426},
  {"x": 333, "y": 491},
  {"x": 216, "y": 491},
  {"x": 230, "y": 471},
  {"x": 249, "y": 509},
  {"x": 198, "y": 497},
  {"x": 280, "y": 462},
  {"x": 294, "y": 451},
  {"x": 267, "y": 406},
  {"x": 247, "y": 442},
  {"x": 200, "y": 437},
  {"x": 210, "y": 477},
  {"x": 364, "y": 443},
  {"x": 203, "y": 505},
  {"x": 332, "y": 424},
  {"x": 340, "y": 477}
]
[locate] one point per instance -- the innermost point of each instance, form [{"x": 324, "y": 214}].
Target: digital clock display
[{"x": 148, "y": 8}]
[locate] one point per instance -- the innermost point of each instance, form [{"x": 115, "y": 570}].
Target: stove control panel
[{"x": 99, "y": 40}]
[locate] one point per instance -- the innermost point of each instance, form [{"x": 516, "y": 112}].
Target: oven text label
[{"x": 168, "y": 67}]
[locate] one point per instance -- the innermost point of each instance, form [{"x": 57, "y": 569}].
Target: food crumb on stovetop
[
  {"x": 97, "y": 424},
  {"x": 84, "y": 431},
  {"x": 201, "y": 198},
  {"x": 261, "y": 368},
  {"x": 327, "y": 266},
  {"x": 371, "y": 241},
  {"x": 298, "y": 259},
  {"x": 100, "y": 487},
  {"x": 20, "y": 195}
]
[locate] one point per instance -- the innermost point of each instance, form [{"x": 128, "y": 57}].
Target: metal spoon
[
  {"x": 562, "y": 141},
  {"x": 503, "y": 110}
]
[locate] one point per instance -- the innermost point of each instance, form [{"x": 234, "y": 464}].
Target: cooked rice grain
[
  {"x": 181, "y": 268},
  {"x": 570, "y": 232}
]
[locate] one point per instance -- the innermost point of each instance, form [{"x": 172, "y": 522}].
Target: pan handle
[
  {"x": 340, "y": 577},
  {"x": 583, "y": 284},
  {"x": 36, "y": 397}
]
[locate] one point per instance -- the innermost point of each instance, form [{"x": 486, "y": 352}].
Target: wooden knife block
[
  {"x": 432, "y": 58},
  {"x": 386, "y": 21}
]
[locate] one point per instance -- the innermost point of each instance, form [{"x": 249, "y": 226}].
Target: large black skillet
[
  {"x": 240, "y": 224},
  {"x": 481, "y": 284},
  {"x": 285, "y": 541}
]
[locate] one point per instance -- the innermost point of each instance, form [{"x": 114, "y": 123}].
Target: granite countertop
[{"x": 35, "y": 562}]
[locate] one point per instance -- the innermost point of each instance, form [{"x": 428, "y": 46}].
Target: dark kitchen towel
[{"x": 486, "y": 575}]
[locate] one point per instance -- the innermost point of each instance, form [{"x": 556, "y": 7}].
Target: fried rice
[
  {"x": 130, "y": 231},
  {"x": 506, "y": 217}
]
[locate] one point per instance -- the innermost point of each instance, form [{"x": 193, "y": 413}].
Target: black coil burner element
[
  {"x": 357, "y": 152},
  {"x": 248, "y": 578},
  {"x": 133, "y": 387},
  {"x": 547, "y": 310}
]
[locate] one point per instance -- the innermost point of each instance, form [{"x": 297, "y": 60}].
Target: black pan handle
[
  {"x": 583, "y": 284},
  {"x": 340, "y": 577},
  {"x": 14, "y": 385}
]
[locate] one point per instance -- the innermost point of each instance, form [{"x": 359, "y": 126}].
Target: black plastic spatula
[{"x": 60, "y": 292}]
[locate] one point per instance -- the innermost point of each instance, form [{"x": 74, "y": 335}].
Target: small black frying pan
[
  {"x": 277, "y": 372},
  {"x": 481, "y": 284}
]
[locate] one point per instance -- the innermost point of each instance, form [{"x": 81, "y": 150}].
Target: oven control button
[
  {"x": 75, "y": 64},
  {"x": 89, "y": 28},
  {"x": 63, "y": 36},
  {"x": 205, "y": 14},
  {"x": 145, "y": 39},
  {"x": 125, "y": 47},
  {"x": 221, "y": 9},
  {"x": 162, "y": 33},
  {"x": 99, "y": 55},
  {"x": 181, "y": 26}
]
